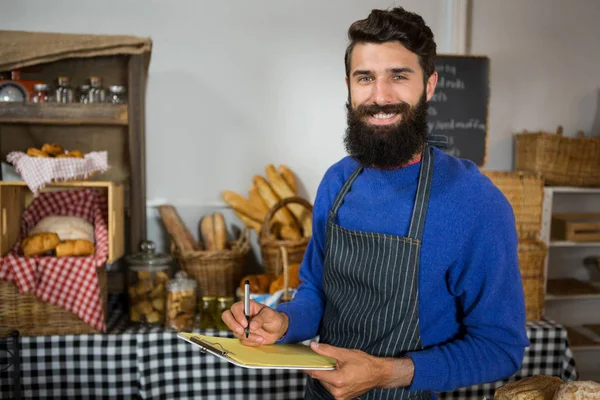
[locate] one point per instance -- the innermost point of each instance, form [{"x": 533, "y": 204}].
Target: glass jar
[
  {"x": 84, "y": 94},
  {"x": 40, "y": 94},
  {"x": 116, "y": 95},
  {"x": 181, "y": 302},
  {"x": 147, "y": 276},
  {"x": 207, "y": 312},
  {"x": 63, "y": 92},
  {"x": 223, "y": 304},
  {"x": 97, "y": 94}
]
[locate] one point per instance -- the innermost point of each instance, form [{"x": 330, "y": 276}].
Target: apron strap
[
  {"x": 417, "y": 221},
  {"x": 439, "y": 141},
  {"x": 345, "y": 189}
]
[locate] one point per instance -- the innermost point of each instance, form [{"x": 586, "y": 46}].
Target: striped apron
[{"x": 370, "y": 281}]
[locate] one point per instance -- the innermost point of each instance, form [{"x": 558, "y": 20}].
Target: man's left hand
[{"x": 356, "y": 371}]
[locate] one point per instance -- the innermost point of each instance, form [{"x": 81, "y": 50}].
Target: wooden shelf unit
[{"x": 64, "y": 114}]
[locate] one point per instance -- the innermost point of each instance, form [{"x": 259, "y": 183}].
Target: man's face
[{"x": 387, "y": 109}]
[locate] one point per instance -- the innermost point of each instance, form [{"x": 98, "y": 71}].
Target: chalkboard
[{"x": 459, "y": 106}]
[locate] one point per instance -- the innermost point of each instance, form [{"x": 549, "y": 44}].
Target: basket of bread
[
  {"x": 280, "y": 217},
  {"x": 216, "y": 263},
  {"x": 543, "y": 387},
  {"x": 53, "y": 163},
  {"x": 53, "y": 281}
]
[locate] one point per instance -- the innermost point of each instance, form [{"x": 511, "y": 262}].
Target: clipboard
[{"x": 273, "y": 356}]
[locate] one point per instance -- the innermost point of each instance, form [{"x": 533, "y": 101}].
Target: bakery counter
[{"x": 150, "y": 363}]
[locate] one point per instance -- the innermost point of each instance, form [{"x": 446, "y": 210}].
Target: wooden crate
[
  {"x": 16, "y": 196},
  {"x": 576, "y": 227}
]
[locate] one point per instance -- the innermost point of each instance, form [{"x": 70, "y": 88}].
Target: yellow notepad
[{"x": 274, "y": 356}]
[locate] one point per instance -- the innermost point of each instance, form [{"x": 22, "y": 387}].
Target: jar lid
[
  {"x": 148, "y": 256},
  {"x": 225, "y": 299},
  {"x": 117, "y": 89},
  {"x": 181, "y": 282},
  {"x": 40, "y": 86},
  {"x": 209, "y": 298}
]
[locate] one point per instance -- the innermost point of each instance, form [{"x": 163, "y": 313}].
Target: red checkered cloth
[
  {"x": 38, "y": 171},
  {"x": 68, "y": 282}
]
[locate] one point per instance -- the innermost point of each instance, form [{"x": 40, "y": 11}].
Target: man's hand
[
  {"x": 266, "y": 325},
  {"x": 358, "y": 372}
]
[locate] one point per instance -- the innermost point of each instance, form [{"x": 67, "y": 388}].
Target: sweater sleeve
[
  {"x": 486, "y": 282},
  {"x": 306, "y": 309}
]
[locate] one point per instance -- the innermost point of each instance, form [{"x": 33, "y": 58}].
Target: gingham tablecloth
[{"x": 151, "y": 363}]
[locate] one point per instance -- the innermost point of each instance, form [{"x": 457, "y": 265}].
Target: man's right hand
[{"x": 266, "y": 325}]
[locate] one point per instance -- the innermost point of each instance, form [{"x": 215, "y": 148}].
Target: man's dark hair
[{"x": 398, "y": 25}]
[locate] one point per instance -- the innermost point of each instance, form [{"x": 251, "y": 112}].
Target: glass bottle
[
  {"x": 84, "y": 94},
  {"x": 223, "y": 304},
  {"x": 64, "y": 92},
  {"x": 116, "y": 95},
  {"x": 207, "y": 312},
  {"x": 97, "y": 93},
  {"x": 40, "y": 93},
  {"x": 181, "y": 302}
]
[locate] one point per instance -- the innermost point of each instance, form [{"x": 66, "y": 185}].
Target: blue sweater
[{"x": 471, "y": 305}]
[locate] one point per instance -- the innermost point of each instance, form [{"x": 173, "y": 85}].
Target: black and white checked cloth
[{"x": 151, "y": 363}]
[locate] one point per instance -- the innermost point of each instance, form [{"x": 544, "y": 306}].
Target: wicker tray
[
  {"x": 532, "y": 254},
  {"x": 34, "y": 317},
  {"x": 566, "y": 161}
]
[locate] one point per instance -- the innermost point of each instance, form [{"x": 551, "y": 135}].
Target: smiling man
[{"x": 411, "y": 277}]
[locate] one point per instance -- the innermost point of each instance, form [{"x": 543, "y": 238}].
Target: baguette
[
  {"x": 255, "y": 199},
  {"x": 249, "y": 222},
  {"x": 288, "y": 177},
  {"x": 282, "y": 215},
  {"x": 279, "y": 185},
  {"x": 220, "y": 231},
  {"x": 207, "y": 232},
  {"x": 239, "y": 203},
  {"x": 180, "y": 234}
]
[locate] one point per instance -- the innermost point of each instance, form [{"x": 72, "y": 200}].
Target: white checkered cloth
[
  {"x": 39, "y": 171},
  {"x": 152, "y": 363},
  {"x": 68, "y": 282}
]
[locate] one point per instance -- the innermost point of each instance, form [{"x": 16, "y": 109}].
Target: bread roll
[
  {"x": 39, "y": 243},
  {"x": 580, "y": 390},
  {"x": 75, "y": 248},
  {"x": 67, "y": 228},
  {"x": 53, "y": 149},
  {"x": 33, "y": 152},
  {"x": 539, "y": 387}
]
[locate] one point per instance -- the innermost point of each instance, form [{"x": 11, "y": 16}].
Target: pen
[{"x": 247, "y": 305}]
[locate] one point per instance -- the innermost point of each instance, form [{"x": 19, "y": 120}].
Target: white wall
[
  {"x": 545, "y": 65},
  {"x": 233, "y": 85}
]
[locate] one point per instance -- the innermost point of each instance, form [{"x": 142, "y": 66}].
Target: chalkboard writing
[{"x": 459, "y": 106}]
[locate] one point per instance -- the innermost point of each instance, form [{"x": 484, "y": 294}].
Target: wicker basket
[
  {"x": 34, "y": 317},
  {"x": 525, "y": 193},
  {"x": 532, "y": 254},
  {"x": 568, "y": 161},
  {"x": 217, "y": 272},
  {"x": 270, "y": 247}
]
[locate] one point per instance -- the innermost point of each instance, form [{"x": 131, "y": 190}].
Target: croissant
[
  {"x": 53, "y": 149},
  {"x": 77, "y": 247},
  {"x": 33, "y": 152},
  {"x": 39, "y": 243}
]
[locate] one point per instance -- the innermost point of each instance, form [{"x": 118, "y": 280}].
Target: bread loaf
[
  {"x": 289, "y": 178},
  {"x": 178, "y": 231},
  {"x": 207, "y": 232},
  {"x": 580, "y": 390},
  {"x": 539, "y": 387},
  {"x": 39, "y": 243},
  {"x": 220, "y": 231},
  {"x": 66, "y": 227},
  {"x": 75, "y": 248},
  {"x": 246, "y": 207}
]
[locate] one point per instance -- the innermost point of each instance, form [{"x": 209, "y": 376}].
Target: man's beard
[{"x": 386, "y": 146}]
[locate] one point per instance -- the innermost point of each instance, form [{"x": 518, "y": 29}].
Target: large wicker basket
[
  {"x": 525, "y": 193},
  {"x": 218, "y": 272},
  {"x": 34, "y": 317},
  {"x": 270, "y": 247},
  {"x": 532, "y": 254},
  {"x": 568, "y": 161}
]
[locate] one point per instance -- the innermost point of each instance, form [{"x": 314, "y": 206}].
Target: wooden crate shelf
[{"x": 64, "y": 114}]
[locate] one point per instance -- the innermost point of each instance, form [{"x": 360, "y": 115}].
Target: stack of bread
[
  {"x": 53, "y": 150},
  {"x": 291, "y": 222},
  {"x": 60, "y": 236},
  {"x": 542, "y": 387}
]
